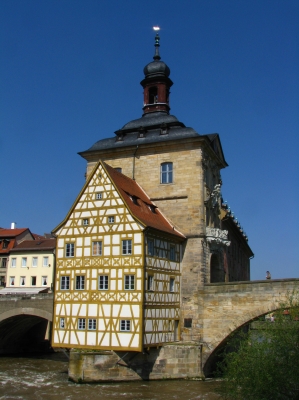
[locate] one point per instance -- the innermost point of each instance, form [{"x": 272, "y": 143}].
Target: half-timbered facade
[{"x": 118, "y": 268}]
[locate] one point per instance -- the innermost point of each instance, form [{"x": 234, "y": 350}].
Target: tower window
[
  {"x": 167, "y": 172},
  {"x": 153, "y": 95}
]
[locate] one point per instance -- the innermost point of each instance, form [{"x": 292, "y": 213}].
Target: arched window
[
  {"x": 153, "y": 95},
  {"x": 166, "y": 172}
]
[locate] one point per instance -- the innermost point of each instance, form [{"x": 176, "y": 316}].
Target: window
[
  {"x": 3, "y": 262},
  {"x": 85, "y": 221},
  {"x": 118, "y": 169},
  {"x": 153, "y": 95},
  {"x": 150, "y": 282},
  {"x": 44, "y": 280},
  {"x": 111, "y": 219},
  {"x": 99, "y": 196},
  {"x": 34, "y": 262},
  {"x": 127, "y": 247},
  {"x": 171, "y": 285},
  {"x": 125, "y": 325},
  {"x": 150, "y": 247},
  {"x": 5, "y": 244},
  {"x": 96, "y": 248},
  {"x": 172, "y": 253},
  {"x": 80, "y": 282},
  {"x": 166, "y": 173},
  {"x": 129, "y": 282},
  {"x": 45, "y": 261},
  {"x": 70, "y": 250},
  {"x": 65, "y": 283},
  {"x": 81, "y": 323},
  {"x": 24, "y": 262},
  {"x": 22, "y": 281},
  {"x": 62, "y": 323},
  {"x": 13, "y": 263},
  {"x": 12, "y": 281},
  {"x": 187, "y": 322},
  {"x": 103, "y": 282},
  {"x": 92, "y": 324},
  {"x": 33, "y": 281}
]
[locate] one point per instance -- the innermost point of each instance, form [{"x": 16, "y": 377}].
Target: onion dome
[{"x": 156, "y": 67}]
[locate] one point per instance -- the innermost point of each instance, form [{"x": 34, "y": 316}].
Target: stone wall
[{"x": 172, "y": 361}]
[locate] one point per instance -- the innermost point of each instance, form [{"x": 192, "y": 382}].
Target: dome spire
[{"x": 157, "y": 45}]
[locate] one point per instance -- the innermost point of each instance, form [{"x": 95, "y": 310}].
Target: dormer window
[
  {"x": 152, "y": 208},
  {"x": 141, "y": 132},
  {"x": 153, "y": 95},
  {"x": 164, "y": 129},
  {"x": 134, "y": 199},
  {"x": 118, "y": 169}
]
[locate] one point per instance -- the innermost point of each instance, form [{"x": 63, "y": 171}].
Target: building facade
[
  {"x": 179, "y": 172},
  {"x": 118, "y": 269},
  {"x": 31, "y": 265},
  {"x": 9, "y": 238}
]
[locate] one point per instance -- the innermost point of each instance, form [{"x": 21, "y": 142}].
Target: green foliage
[{"x": 264, "y": 363}]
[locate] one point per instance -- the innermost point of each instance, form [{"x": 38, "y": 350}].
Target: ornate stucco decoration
[{"x": 216, "y": 235}]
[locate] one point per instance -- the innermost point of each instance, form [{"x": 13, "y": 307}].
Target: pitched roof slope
[
  {"x": 36, "y": 245},
  {"x": 139, "y": 203},
  {"x": 11, "y": 232}
]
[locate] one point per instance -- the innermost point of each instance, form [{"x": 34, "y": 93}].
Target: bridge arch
[
  {"x": 230, "y": 306},
  {"x": 25, "y": 323},
  {"x": 26, "y": 311}
]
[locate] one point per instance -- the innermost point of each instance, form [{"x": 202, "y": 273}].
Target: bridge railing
[{"x": 26, "y": 296}]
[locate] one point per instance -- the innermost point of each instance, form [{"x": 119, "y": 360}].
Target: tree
[{"x": 264, "y": 363}]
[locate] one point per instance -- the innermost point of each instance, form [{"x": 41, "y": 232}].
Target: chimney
[{"x": 13, "y": 225}]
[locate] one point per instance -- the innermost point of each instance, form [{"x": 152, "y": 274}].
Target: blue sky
[{"x": 70, "y": 73}]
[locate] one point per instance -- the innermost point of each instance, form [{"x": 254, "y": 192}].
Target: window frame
[
  {"x": 80, "y": 282},
  {"x": 111, "y": 219},
  {"x": 166, "y": 174},
  {"x": 172, "y": 253},
  {"x": 24, "y": 262},
  {"x": 92, "y": 324},
  {"x": 13, "y": 263},
  {"x": 105, "y": 283},
  {"x": 99, "y": 196},
  {"x": 127, "y": 248},
  {"x": 171, "y": 284},
  {"x": 81, "y": 324},
  {"x": 125, "y": 325},
  {"x": 62, "y": 323},
  {"x": 150, "y": 247},
  {"x": 44, "y": 284},
  {"x": 129, "y": 282},
  {"x": 70, "y": 250},
  {"x": 33, "y": 262},
  {"x": 45, "y": 261},
  {"x": 33, "y": 278},
  {"x": 65, "y": 278},
  {"x": 12, "y": 280},
  {"x": 150, "y": 283},
  {"x": 101, "y": 248},
  {"x": 22, "y": 279}
]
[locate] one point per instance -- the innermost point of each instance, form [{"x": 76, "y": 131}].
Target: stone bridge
[
  {"x": 227, "y": 307},
  {"x": 25, "y": 322}
]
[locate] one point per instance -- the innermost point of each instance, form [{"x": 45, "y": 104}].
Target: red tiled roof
[
  {"x": 129, "y": 188},
  {"x": 5, "y": 233},
  {"x": 8, "y": 248},
  {"x": 35, "y": 245}
]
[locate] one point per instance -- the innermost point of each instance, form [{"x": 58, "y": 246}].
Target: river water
[{"x": 45, "y": 377}]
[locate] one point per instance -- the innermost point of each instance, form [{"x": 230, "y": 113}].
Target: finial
[{"x": 157, "y": 44}]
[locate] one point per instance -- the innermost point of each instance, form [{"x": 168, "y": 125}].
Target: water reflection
[{"x": 45, "y": 377}]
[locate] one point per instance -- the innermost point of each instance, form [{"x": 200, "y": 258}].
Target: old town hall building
[{"x": 147, "y": 231}]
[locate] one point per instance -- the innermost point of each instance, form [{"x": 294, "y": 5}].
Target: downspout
[{"x": 134, "y": 156}]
